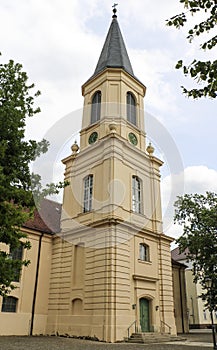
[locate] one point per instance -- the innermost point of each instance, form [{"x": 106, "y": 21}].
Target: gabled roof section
[
  {"x": 176, "y": 255},
  {"x": 47, "y": 218},
  {"x": 114, "y": 53}
]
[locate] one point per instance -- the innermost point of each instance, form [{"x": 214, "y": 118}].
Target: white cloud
[
  {"x": 200, "y": 179},
  {"x": 150, "y": 14},
  {"x": 196, "y": 179},
  {"x": 59, "y": 51},
  {"x": 151, "y": 71},
  {"x": 56, "y": 50}
]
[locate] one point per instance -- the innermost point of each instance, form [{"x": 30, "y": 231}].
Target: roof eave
[{"x": 95, "y": 76}]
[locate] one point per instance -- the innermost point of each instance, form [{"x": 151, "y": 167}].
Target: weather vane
[{"x": 114, "y": 10}]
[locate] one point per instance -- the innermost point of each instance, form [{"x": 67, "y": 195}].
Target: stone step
[{"x": 152, "y": 338}]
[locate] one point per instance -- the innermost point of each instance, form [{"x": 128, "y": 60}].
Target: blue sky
[{"x": 59, "y": 44}]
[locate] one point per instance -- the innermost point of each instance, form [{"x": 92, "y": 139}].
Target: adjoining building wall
[
  {"x": 198, "y": 316},
  {"x": 21, "y": 321},
  {"x": 180, "y": 297}
]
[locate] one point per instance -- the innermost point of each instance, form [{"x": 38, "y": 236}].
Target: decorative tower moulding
[{"x": 112, "y": 265}]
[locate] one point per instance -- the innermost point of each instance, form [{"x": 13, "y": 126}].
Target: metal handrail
[
  {"x": 128, "y": 329},
  {"x": 165, "y": 324}
]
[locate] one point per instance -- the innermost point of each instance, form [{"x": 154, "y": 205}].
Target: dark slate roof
[
  {"x": 176, "y": 255},
  {"x": 47, "y": 218},
  {"x": 114, "y": 53}
]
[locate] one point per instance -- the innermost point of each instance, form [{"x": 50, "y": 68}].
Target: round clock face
[
  {"x": 93, "y": 137},
  {"x": 133, "y": 138}
]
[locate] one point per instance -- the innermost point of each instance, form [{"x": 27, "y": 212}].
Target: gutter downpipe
[
  {"x": 181, "y": 301},
  {"x": 36, "y": 284}
]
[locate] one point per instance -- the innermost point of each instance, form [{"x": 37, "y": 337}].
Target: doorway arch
[{"x": 144, "y": 310}]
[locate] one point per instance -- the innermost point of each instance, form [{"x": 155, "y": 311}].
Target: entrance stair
[{"x": 149, "y": 338}]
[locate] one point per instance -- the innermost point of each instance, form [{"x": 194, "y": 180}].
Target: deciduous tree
[
  {"x": 17, "y": 184},
  {"x": 204, "y": 72},
  {"x": 197, "y": 214}
]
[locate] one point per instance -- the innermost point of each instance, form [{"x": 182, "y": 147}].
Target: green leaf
[
  {"x": 179, "y": 64},
  {"x": 185, "y": 70}
]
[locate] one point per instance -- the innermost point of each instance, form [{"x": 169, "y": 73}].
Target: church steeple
[
  {"x": 113, "y": 95},
  {"x": 114, "y": 53}
]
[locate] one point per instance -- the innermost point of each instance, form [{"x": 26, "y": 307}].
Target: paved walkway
[{"x": 194, "y": 341}]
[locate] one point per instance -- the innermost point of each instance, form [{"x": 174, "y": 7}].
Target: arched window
[
  {"x": 144, "y": 252},
  {"x": 9, "y": 304},
  {"x": 136, "y": 195},
  {"x": 88, "y": 193},
  {"x": 131, "y": 108},
  {"x": 96, "y": 107}
]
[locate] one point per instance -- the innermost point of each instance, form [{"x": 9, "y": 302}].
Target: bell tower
[
  {"x": 111, "y": 263},
  {"x": 113, "y": 96}
]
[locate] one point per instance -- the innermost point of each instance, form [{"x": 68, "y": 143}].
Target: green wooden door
[{"x": 144, "y": 315}]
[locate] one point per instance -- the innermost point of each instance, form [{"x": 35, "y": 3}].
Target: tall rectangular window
[
  {"x": 143, "y": 252},
  {"x": 88, "y": 193},
  {"x": 136, "y": 194},
  {"x": 17, "y": 254}
]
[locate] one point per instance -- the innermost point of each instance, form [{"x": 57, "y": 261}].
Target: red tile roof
[{"x": 47, "y": 218}]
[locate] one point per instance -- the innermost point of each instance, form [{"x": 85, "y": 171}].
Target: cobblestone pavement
[{"x": 193, "y": 342}]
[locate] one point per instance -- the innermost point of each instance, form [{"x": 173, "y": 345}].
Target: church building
[
  {"x": 111, "y": 264},
  {"x": 106, "y": 271}
]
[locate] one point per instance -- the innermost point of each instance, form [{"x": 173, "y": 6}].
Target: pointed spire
[{"x": 114, "y": 53}]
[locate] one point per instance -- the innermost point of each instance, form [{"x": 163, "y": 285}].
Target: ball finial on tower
[
  {"x": 114, "y": 10},
  {"x": 75, "y": 148},
  {"x": 150, "y": 149}
]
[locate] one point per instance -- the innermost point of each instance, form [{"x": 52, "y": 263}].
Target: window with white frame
[
  {"x": 144, "y": 252},
  {"x": 131, "y": 108},
  {"x": 136, "y": 195},
  {"x": 9, "y": 304},
  {"x": 96, "y": 107},
  {"x": 88, "y": 193}
]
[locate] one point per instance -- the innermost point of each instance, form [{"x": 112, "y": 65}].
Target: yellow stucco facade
[
  {"x": 110, "y": 265},
  {"x": 24, "y": 317},
  {"x": 100, "y": 283}
]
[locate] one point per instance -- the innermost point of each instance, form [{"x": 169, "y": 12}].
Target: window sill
[
  {"x": 149, "y": 262},
  {"x": 137, "y": 213}
]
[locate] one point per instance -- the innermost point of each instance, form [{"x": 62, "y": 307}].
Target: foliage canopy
[
  {"x": 204, "y": 72},
  {"x": 197, "y": 214},
  {"x": 18, "y": 187}
]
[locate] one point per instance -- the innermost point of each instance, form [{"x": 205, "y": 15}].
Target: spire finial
[{"x": 114, "y": 10}]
